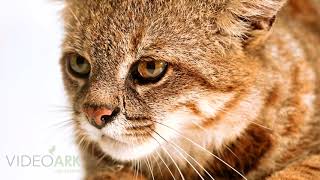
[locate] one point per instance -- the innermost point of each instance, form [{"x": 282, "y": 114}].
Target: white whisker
[
  {"x": 253, "y": 122},
  {"x": 232, "y": 152},
  {"x": 194, "y": 161},
  {"x": 164, "y": 149},
  {"x": 149, "y": 166},
  {"x": 155, "y": 159},
  {"x": 183, "y": 157},
  {"x": 166, "y": 165},
  {"x": 199, "y": 146}
]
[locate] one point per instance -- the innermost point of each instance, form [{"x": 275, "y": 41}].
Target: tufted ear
[{"x": 248, "y": 19}]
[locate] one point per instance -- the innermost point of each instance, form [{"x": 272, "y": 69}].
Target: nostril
[
  {"x": 105, "y": 118},
  {"x": 100, "y": 116}
]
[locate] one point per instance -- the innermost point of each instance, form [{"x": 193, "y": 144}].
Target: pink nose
[{"x": 98, "y": 116}]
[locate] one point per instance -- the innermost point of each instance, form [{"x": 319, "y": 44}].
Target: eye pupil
[
  {"x": 151, "y": 67},
  {"x": 149, "y": 71},
  {"x": 78, "y": 66},
  {"x": 80, "y": 61}
]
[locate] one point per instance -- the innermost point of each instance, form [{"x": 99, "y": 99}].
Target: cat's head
[{"x": 140, "y": 74}]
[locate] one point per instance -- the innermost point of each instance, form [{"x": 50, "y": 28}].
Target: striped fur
[{"x": 241, "y": 97}]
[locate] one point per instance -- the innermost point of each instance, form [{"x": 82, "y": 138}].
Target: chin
[
  {"x": 118, "y": 146},
  {"x": 123, "y": 151}
]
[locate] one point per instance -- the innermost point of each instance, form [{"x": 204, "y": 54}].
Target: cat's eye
[
  {"x": 78, "y": 66},
  {"x": 149, "y": 71}
]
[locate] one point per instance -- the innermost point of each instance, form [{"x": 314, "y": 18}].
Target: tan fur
[
  {"x": 240, "y": 99},
  {"x": 307, "y": 169}
]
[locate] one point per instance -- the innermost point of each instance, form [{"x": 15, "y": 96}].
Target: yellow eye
[
  {"x": 79, "y": 66},
  {"x": 150, "y": 71}
]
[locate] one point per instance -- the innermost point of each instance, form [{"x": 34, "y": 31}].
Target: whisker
[
  {"x": 99, "y": 161},
  {"x": 139, "y": 165},
  {"x": 83, "y": 142},
  {"x": 138, "y": 169},
  {"x": 206, "y": 131},
  {"x": 174, "y": 162},
  {"x": 65, "y": 129},
  {"x": 182, "y": 156},
  {"x": 61, "y": 123},
  {"x": 149, "y": 166},
  {"x": 55, "y": 108},
  {"x": 199, "y": 146},
  {"x": 169, "y": 156},
  {"x": 166, "y": 165},
  {"x": 195, "y": 161},
  {"x": 187, "y": 155},
  {"x": 253, "y": 122},
  {"x": 135, "y": 167},
  {"x": 60, "y": 106},
  {"x": 155, "y": 159},
  {"x": 200, "y": 127},
  {"x": 232, "y": 152}
]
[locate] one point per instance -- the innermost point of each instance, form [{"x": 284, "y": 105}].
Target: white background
[{"x": 31, "y": 90}]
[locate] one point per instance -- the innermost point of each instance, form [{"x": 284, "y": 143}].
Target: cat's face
[{"x": 167, "y": 69}]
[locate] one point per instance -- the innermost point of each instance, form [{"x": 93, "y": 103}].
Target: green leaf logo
[{"x": 52, "y": 149}]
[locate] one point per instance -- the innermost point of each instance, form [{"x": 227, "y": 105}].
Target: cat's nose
[{"x": 100, "y": 116}]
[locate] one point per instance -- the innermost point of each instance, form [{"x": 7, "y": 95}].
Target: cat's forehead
[{"x": 139, "y": 28}]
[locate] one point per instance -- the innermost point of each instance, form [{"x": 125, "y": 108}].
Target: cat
[{"x": 190, "y": 89}]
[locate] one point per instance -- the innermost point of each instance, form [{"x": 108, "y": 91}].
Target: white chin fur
[
  {"x": 117, "y": 149},
  {"x": 126, "y": 152}
]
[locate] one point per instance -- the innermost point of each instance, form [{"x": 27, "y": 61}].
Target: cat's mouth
[
  {"x": 124, "y": 139},
  {"x": 132, "y": 134},
  {"x": 130, "y": 144}
]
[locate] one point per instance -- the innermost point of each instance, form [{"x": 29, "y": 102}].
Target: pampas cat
[{"x": 183, "y": 89}]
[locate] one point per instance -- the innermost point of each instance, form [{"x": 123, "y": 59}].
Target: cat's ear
[{"x": 248, "y": 19}]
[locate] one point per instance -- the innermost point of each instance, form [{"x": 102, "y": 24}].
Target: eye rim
[
  {"x": 139, "y": 79},
  {"x": 68, "y": 58}
]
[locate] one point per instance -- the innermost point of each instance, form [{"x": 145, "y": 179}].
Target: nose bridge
[
  {"x": 101, "y": 102},
  {"x": 101, "y": 92}
]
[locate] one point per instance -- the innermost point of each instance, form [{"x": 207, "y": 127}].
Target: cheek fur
[
  {"x": 220, "y": 117},
  {"x": 236, "y": 117},
  {"x": 190, "y": 114}
]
